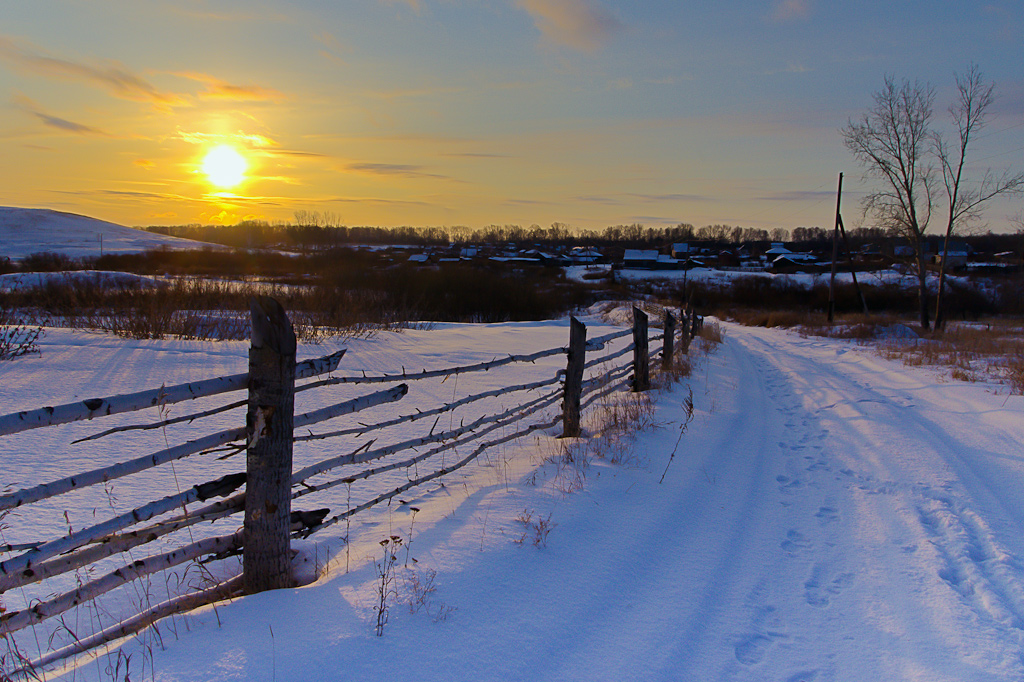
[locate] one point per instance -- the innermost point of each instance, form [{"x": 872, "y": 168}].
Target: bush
[
  {"x": 17, "y": 337},
  {"x": 49, "y": 262}
]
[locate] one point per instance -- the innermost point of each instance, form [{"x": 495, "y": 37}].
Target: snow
[
  {"x": 829, "y": 515},
  {"x": 25, "y": 280},
  {"x": 893, "y": 276},
  {"x": 24, "y": 231}
]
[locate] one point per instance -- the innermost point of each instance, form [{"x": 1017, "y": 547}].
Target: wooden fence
[{"x": 100, "y": 556}]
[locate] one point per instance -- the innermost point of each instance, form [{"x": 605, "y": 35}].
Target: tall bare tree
[
  {"x": 964, "y": 199},
  {"x": 892, "y": 142}
]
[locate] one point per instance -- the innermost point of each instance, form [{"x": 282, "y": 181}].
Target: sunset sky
[{"x": 460, "y": 112}]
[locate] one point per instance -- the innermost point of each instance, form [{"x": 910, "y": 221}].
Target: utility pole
[{"x": 835, "y": 255}]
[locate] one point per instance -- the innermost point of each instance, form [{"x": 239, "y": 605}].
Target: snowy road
[{"x": 830, "y": 515}]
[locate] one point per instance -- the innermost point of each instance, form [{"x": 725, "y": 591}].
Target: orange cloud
[
  {"x": 248, "y": 139},
  {"x": 111, "y": 76},
  {"x": 27, "y": 105},
  {"x": 222, "y": 90},
  {"x": 573, "y": 23}
]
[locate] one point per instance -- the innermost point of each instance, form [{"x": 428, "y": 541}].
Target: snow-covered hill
[{"x": 24, "y": 231}]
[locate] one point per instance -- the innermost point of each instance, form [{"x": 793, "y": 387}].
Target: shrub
[{"x": 17, "y": 337}]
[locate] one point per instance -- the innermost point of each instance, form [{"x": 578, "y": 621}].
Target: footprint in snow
[
  {"x": 752, "y": 649},
  {"x": 828, "y": 514},
  {"x": 817, "y": 593},
  {"x": 795, "y": 543},
  {"x": 787, "y": 484}
]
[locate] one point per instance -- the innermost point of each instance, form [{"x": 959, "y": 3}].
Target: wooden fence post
[
  {"x": 574, "y": 379},
  {"x": 641, "y": 353},
  {"x": 668, "y": 347},
  {"x": 266, "y": 552},
  {"x": 684, "y": 330}
]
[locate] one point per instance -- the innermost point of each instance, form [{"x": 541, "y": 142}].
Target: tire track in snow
[
  {"x": 949, "y": 511},
  {"x": 802, "y": 554}
]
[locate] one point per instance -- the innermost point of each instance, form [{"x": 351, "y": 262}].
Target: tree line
[{"x": 313, "y": 230}]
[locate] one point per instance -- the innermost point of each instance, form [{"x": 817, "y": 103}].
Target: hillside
[{"x": 24, "y": 231}]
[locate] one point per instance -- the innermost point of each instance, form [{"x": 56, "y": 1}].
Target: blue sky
[{"x": 462, "y": 112}]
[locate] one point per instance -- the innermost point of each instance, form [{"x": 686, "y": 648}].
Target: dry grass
[
  {"x": 711, "y": 334},
  {"x": 972, "y": 351}
]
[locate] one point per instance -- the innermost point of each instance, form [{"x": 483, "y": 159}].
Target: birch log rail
[
  {"x": 523, "y": 409},
  {"x": 165, "y": 395},
  {"x": 176, "y": 452}
]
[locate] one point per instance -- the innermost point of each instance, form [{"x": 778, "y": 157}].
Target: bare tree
[
  {"x": 963, "y": 198},
  {"x": 892, "y": 141}
]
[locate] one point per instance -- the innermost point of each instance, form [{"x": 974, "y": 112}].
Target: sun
[{"x": 224, "y": 166}]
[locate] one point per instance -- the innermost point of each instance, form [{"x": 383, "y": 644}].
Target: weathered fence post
[
  {"x": 641, "y": 353},
  {"x": 266, "y": 553},
  {"x": 668, "y": 347},
  {"x": 574, "y": 379},
  {"x": 684, "y": 330}
]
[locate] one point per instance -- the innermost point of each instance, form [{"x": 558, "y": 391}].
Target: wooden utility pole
[
  {"x": 574, "y": 379},
  {"x": 641, "y": 352},
  {"x": 266, "y": 552},
  {"x": 853, "y": 270},
  {"x": 835, "y": 255}
]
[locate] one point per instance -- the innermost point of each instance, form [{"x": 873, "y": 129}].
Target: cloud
[
  {"x": 121, "y": 194},
  {"x": 416, "y": 92},
  {"x": 248, "y": 139},
  {"x": 799, "y": 195},
  {"x": 30, "y": 107},
  {"x": 414, "y": 4},
  {"x": 785, "y": 11},
  {"x": 476, "y": 155},
  {"x": 578, "y": 24},
  {"x": 399, "y": 169},
  {"x": 670, "y": 197},
  {"x": 626, "y": 199},
  {"x": 221, "y": 90},
  {"x": 373, "y": 201},
  {"x": 111, "y": 76}
]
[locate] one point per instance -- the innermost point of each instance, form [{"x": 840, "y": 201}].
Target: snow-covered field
[
  {"x": 24, "y": 231},
  {"x": 829, "y": 515},
  {"x": 889, "y": 276}
]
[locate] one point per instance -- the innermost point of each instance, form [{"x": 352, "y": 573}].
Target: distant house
[
  {"x": 645, "y": 259},
  {"x": 682, "y": 250},
  {"x": 795, "y": 262},
  {"x": 728, "y": 258},
  {"x": 584, "y": 256},
  {"x": 903, "y": 251},
  {"x": 666, "y": 262},
  {"x": 954, "y": 259},
  {"x": 777, "y": 250},
  {"x": 420, "y": 258}
]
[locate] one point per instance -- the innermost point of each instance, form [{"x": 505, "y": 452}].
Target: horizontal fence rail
[
  {"x": 165, "y": 395},
  {"x": 525, "y": 407}
]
